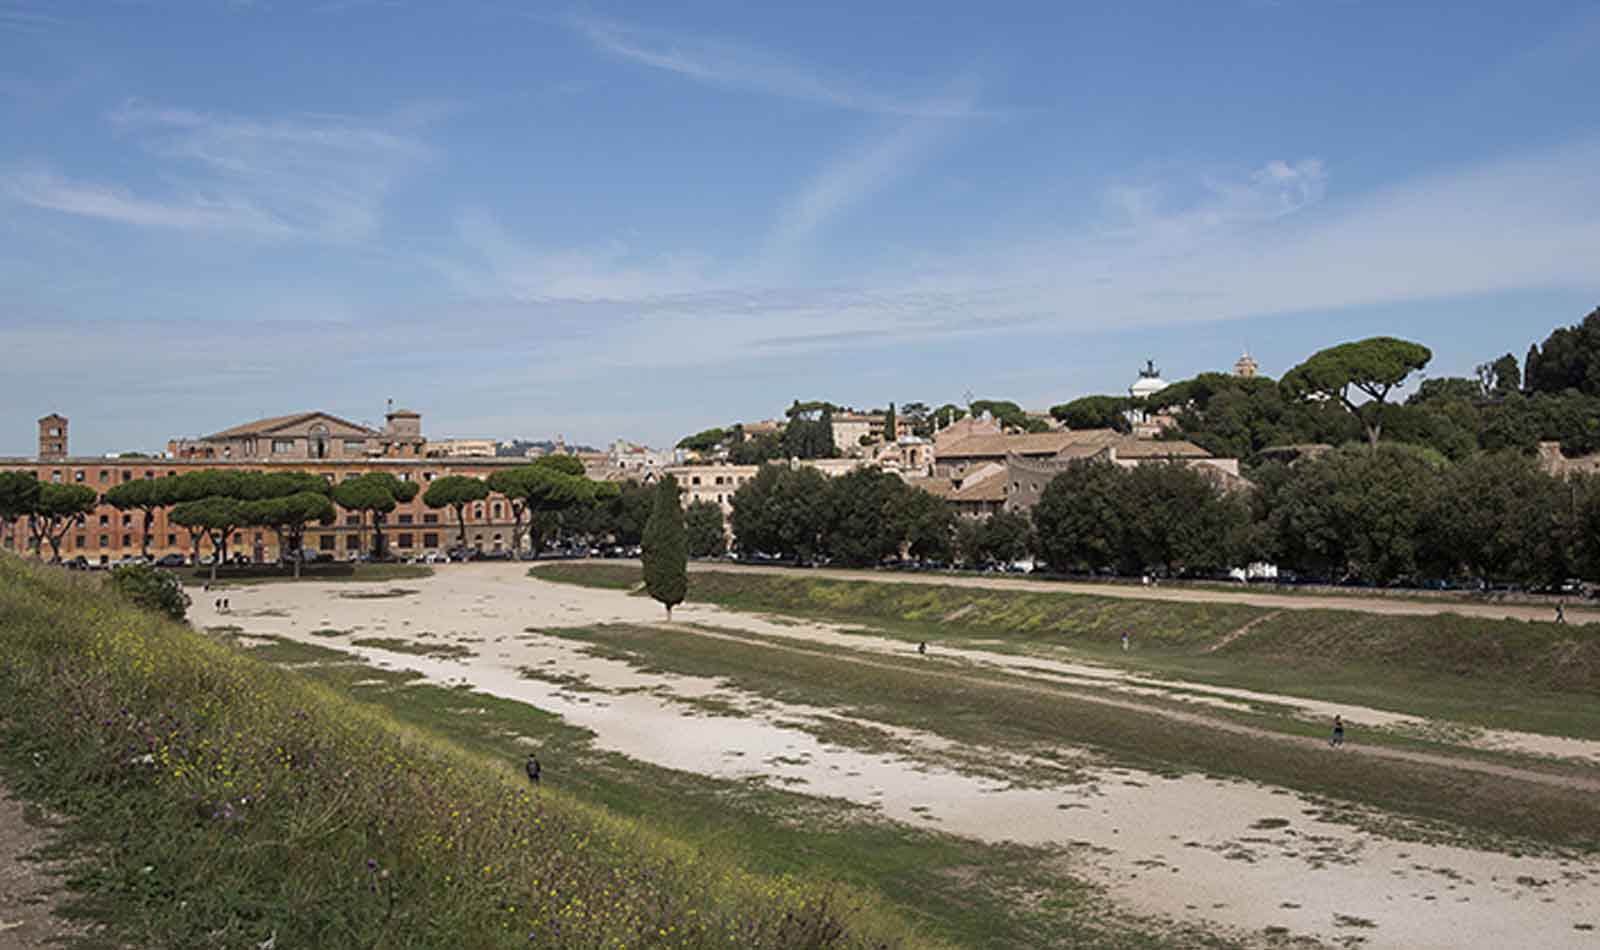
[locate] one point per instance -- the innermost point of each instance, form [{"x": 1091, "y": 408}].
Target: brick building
[{"x": 107, "y": 534}]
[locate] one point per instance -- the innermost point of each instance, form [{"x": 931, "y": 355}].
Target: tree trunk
[
  {"x": 669, "y": 613},
  {"x": 55, "y": 543},
  {"x": 461, "y": 518},
  {"x": 377, "y": 536},
  {"x": 144, "y": 540}
]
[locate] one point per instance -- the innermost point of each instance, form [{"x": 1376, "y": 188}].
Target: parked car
[
  {"x": 79, "y": 563},
  {"x": 494, "y": 556},
  {"x": 172, "y": 560}
]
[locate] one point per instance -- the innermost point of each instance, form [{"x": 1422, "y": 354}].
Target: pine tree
[
  {"x": 666, "y": 548},
  {"x": 890, "y": 424}
]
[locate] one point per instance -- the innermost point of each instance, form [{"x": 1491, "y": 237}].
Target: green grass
[
  {"x": 969, "y": 893},
  {"x": 1509, "y": 674},
  {"x": 272, "y": 574},
  {"x": 591, "y": 574},
  {"x": 439, "y": 651},
  {"x": 269, "y": 804},
  {"x": 990, "y": 710}
]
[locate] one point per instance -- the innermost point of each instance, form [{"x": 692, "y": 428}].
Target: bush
[{"x": 152, "y": 589}]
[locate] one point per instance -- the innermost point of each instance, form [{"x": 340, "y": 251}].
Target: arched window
[{"x": 319, "y": 441}]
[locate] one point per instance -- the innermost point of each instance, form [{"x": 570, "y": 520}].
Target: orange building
[{"x": 412, "y": 529}]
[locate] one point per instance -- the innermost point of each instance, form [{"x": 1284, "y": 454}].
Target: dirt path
[
  {"x": 1233, "y": 635},
  {"x": 27, "y": 888},
  {"x": 1373, "y": 605},
  {"x": 1196, "y": 719}
]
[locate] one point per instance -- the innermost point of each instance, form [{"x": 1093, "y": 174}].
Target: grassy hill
[{"x": 214, "y": 800}]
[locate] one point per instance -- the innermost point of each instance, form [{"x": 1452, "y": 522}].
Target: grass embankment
[
  {"x": 213, "y": 800},
  {"x": 1512, "y": 674}
]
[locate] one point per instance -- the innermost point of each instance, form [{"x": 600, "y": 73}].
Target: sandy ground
[
  {"x": 1576, "y": 613},
  {"x": 27, "y": 888},
  {"x": 1234, "y": 855}
]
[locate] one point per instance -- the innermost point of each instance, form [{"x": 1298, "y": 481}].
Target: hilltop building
[
  {"x": 309, "y": 436},
  {"x": 1245, "y": 367}
]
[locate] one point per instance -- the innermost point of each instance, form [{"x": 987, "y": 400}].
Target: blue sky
[{"x": 608, "y": 220}]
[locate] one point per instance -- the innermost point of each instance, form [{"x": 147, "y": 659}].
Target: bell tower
[{"x": 53, "y": 437}]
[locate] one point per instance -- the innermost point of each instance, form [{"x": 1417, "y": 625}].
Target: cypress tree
[{"x": 666, "y": 548}]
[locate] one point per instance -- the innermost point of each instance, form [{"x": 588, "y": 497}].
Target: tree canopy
[
  {"x": 456, "y": 492},
  {"x": 1373, "y": 366}
]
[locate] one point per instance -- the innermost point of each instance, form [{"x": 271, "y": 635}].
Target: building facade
[
  {"x": 412, "y": 529},
  {"x": 308, "y": 436}
]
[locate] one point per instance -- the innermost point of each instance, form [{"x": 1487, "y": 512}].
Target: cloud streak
[
  {"x": 732, "y": 65},
  {"x": 321, "y": 177}
]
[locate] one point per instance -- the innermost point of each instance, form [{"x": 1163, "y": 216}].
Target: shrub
[{"x": 152, "y": 589}]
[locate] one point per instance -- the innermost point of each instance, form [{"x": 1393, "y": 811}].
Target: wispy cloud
[
  {"x": 23, "y": 19},
  {"x": 325, "y": 175},
  {"x": 850, "y": 179},
  {"x": 733, "y": 65},
  {"x": 314, "y": 176},
  {"x": 42, "y": 189}
]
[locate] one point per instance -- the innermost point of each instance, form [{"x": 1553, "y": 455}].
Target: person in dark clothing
[
  {"x": 922, "y": 648},
  {"x": 532, "y": 768},
  {"x": 1338, "y": 732},
  {"x": 1561, "y": 612}
]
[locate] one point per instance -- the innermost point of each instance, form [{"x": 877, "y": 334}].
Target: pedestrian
[
  {"x": 227, "y": 605},
  {"x": 1338, "y": 732},
  {"x": 532, "y": 768},
  {"x": 1561, "y": 611},
  {"x": 1124, "y": 641},
  {"x": 922, "y": 648}
]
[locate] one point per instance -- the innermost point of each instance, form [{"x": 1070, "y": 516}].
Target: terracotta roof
[
  {"x": 987, "y": 484},
  {"x": 1033, "y": 443},
  {"x": 1147, "y": 448},
  {"x": 261, "y": 426}
]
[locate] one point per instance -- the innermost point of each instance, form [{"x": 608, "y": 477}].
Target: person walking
[
  {"x": 1124, "y": 641},
  {"x": 1561, "y": 611},
  {"x": 533, "y": 770},
  {"x": 1338, "y": 732},
  {"x": 922, "y": 648}
]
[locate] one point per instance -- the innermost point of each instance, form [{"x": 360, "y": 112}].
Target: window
[
  {"x": 127, "y": 539},
  {"x": 406, "y": 519},
  {"x": 352, "y": 519},
  {"x": 719, "y": 480},
  {"x": 105, "y": 476},
  {"x": 430, "y": 519},
  {"x": 351, "y": 542},
  {"x": 427, "y": 476},
  {"x": 355, "y": 445},
  {"x": 238, "y": 537},
  {"x": 55, "y": 430},
  {"x": 80, "y": 541},
  {"x": 430, "y": 540},
  {"x": 282, "y": 445},
  {"x": 78, "y": 475},
  {"x": 105, "y": 539},
  {"x": 127, "y": 521},
  {"x": 325, "y": 542},
  {"x": 694, "y": 479},
  {"x": 404, "y": 540},
  {"x": 497, "y": 509},
  {"x": 172, "y": 539},
  {"x": 105, "y": 520},
  {"x": 127, "y": 474},
  {"x": 258, "y": 537},
  {"x": 55, "y": 476},
  {"x": 477, "y": 510}
]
